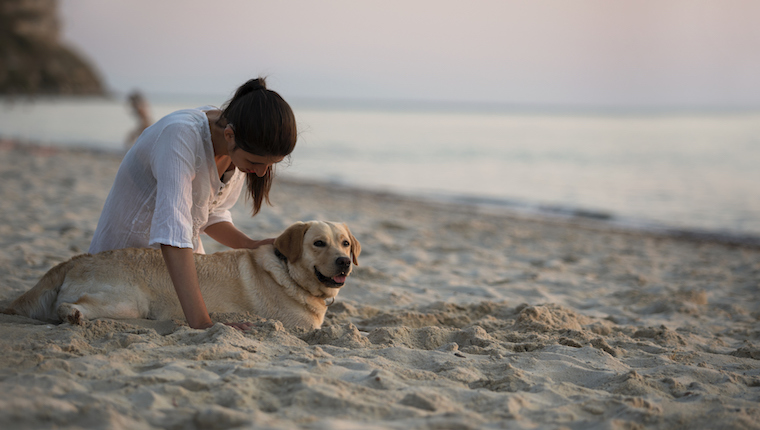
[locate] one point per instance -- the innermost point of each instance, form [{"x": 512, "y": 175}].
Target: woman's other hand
[
  {"x": 228, "y": 235},
  {"x": 258, "y": 243}
]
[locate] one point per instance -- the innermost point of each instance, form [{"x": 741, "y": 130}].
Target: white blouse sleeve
[{"x": 173, "y": 165}]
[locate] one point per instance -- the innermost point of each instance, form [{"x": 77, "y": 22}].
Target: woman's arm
[
  {"x": 181, "y": 265},
  {"x": 228, "y": 235}
]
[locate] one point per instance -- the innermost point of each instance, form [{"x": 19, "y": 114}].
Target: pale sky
[{"x": 587, "y": 53}]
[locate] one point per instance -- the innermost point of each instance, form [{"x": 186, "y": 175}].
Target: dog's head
[{"x": 319, "y": 255}]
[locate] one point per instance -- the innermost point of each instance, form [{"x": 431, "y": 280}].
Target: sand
[{"x": 455, "y": 318}]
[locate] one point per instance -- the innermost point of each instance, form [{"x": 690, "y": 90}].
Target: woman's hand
[
  {"x": 181, "y": 265},
  {"x": 257, "y": 243},
  {"x": 228, "y": 235}
]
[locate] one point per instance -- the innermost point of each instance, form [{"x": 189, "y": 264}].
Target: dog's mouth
[{"x": 336, "y": 281}]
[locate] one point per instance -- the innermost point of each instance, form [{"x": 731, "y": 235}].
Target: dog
[{"x": 289, "y": 281}]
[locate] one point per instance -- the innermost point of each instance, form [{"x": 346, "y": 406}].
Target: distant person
[
  {"x": 183, "y": 175},
  {"x": 142, "y": 112}
]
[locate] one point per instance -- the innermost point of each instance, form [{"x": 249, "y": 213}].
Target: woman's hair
[{"x": 264, "y": 125}]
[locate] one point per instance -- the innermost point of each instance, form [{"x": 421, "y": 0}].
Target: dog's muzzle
[{"x": 343, "y": 265}]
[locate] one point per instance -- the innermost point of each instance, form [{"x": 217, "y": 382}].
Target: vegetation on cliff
[{"x": 32, "y": 59}]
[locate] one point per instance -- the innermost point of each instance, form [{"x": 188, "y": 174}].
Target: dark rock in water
[{"x": 32, "y": 60}]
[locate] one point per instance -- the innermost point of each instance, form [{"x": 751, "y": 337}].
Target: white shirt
[{"x": 167, "y": 189}]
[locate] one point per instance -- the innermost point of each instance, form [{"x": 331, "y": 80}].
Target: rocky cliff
[{"x": 32, "y": 58}]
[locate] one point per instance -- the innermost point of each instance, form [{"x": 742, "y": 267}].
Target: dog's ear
[
  {"x": 290, "y": 242},
  {"x": 356, "y": 247}
]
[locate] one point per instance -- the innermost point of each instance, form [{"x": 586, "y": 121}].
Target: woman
[{"x": 183, "y": 175}]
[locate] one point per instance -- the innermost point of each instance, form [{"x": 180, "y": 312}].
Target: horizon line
[{"x": 426, "y": 105}]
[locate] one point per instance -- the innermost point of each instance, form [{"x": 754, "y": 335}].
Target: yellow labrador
[{"x": 288, "y": 281}]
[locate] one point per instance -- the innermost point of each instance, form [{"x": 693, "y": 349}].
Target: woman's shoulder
[
  {"x": 185, "y": 121},
  {"x": 186, "y": 128},
  {"x": 187, "y": 116}
]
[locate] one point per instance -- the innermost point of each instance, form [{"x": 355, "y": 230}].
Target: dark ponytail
[{"x": 264, "y": 125}]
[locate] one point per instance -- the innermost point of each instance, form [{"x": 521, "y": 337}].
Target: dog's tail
[{"x": 38, "y": 302}]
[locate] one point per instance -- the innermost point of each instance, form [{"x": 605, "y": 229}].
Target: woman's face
[
  {"x": 246, "y": 161},
  {"x": 252, "y": 163}
]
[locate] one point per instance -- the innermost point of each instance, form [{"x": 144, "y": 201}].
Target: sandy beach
[{"x": 454, "y": 319}]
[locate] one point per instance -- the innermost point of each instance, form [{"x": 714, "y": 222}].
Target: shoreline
[
  {"x": 593, "y": 221},
  {"x": 454, "y": 317},
  {"x": 574, "y": 216},
  {"x": 497, "y": 206}
]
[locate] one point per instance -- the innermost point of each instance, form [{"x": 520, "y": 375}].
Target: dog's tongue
[{"x": 340, "y": 279}]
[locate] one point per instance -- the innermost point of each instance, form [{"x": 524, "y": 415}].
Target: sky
[{"x": 541, "y": 53}]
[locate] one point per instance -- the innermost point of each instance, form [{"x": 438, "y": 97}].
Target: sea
[{"x": 692, "y": 173}]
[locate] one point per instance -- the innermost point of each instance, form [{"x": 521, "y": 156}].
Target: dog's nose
[{"x": 343, "y": 262}]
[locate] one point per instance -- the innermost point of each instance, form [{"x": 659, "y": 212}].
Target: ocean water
[{"x": 684, "y": 171}]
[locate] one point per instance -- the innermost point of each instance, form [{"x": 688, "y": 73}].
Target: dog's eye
[
  {"x": 346, "y": 243},
  {"x": 320, "y": 244}
]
